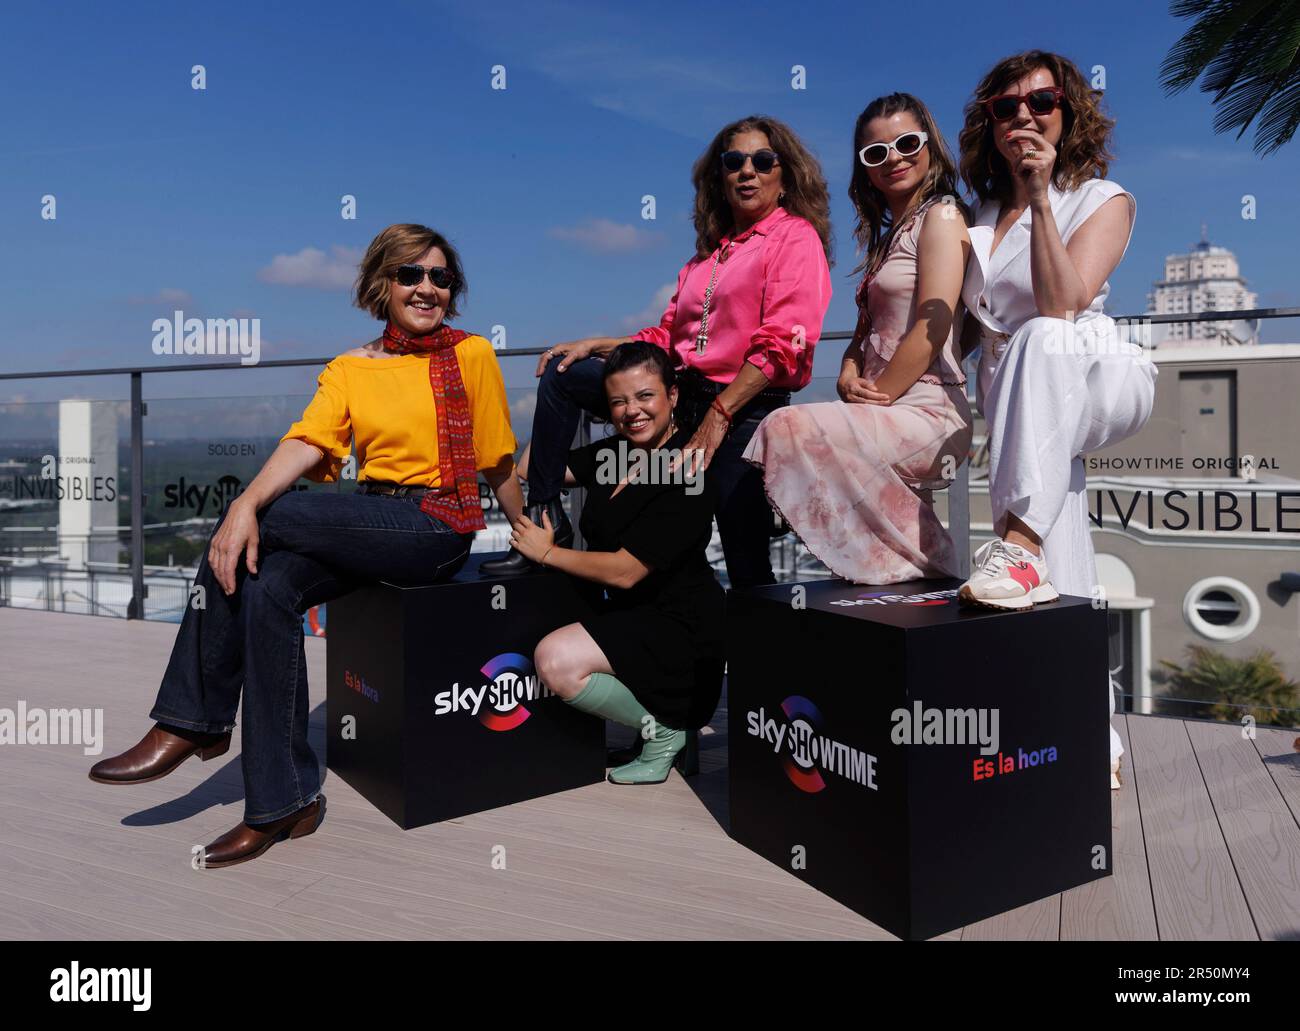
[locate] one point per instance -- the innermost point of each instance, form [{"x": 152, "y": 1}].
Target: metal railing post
[
  {"x": 959, "y": 518},
  {"x": 577, "y": 495},
  {"x": 135, "y": 610}
]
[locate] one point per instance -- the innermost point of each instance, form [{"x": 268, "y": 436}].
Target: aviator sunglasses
[
  {"x": 1041, "y": 102},
  {"x": 909, "y": 143},
  {"x": 764, "y": 160},
  {"x": 410, "y": 275}
]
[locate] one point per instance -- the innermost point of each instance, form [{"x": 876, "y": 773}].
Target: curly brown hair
[
  {"x": 1083, "y": 152},
  {"x": 801, "y": 179},
  {"x": 402, "y": 244}
]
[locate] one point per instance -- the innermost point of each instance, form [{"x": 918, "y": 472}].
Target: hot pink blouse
[{"x": 769, "y": 299}]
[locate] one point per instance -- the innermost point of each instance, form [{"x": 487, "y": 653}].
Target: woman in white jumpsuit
[{"x": 1057, "y": 378}]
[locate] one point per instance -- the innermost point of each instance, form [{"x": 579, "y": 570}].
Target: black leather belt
[
  {"x": 692, "y": 382},
  {"x": 398, "y": 490}
]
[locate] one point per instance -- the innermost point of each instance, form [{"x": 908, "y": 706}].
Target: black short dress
[{"x": 664, "y": 635}]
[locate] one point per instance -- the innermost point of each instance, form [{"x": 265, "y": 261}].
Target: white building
[{"x": 1206, "y": 279}]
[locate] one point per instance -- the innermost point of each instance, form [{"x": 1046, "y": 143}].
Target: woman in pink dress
[{"x": 854, "y": 477}]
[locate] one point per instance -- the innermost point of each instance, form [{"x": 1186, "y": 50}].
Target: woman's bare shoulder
[
  {"x": 374, "y": 349},
  {"x": 943, "y": 217}
]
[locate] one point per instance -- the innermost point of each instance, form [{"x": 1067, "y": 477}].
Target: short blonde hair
[{"x": 402, "y": 244}]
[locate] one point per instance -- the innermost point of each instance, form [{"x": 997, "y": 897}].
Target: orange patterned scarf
[{"x": 457, "y": 502}]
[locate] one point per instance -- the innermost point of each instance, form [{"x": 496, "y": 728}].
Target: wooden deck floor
[{"x": 1207, "y": 839}]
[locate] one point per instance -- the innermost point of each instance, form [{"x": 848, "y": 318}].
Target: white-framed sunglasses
[{"x": 874, "y": 154}]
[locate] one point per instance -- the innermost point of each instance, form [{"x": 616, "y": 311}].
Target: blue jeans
[
  {"x": 743, "y": 513},
  {"x": 315, "y": 546}
]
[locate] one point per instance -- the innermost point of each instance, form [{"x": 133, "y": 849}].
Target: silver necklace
[{"x": 702, "y": 340}]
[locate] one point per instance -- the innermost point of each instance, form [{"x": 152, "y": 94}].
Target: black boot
[{"x": 514, "y": 564}]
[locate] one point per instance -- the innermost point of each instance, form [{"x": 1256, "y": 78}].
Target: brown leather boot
[
  {"x": 245, "y": 842},
  {"x": 157, "y": 754}
]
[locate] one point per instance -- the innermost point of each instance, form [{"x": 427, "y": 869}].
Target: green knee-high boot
[{"x": 606, "y": 696}]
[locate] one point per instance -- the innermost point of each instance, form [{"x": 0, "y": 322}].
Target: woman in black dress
[{"x": 652, "y": 656}]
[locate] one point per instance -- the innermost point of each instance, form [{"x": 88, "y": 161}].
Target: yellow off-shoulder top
[{"x": 386, "y": 405}]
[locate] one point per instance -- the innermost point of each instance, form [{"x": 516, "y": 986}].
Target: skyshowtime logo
[
  {"x": 886, "y": 598},
  {"x": 805, "y": 752},
  {"x": 499, "y": 702}
]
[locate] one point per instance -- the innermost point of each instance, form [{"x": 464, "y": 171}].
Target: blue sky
[{"x": 228, "y": 199}]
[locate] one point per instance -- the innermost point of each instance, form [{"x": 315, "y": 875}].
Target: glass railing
[
  {"x": 1201, "y": 624},
  {"x": 65, "y": 483}
]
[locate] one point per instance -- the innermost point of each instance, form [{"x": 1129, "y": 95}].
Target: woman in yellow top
[{"x": 426, "y": 408}]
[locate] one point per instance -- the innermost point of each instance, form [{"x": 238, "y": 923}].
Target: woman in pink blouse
[
  {"x": 853, "y": 477},
  {"x": 741, "y": 329}
]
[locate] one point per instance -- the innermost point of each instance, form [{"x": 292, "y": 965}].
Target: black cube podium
[
  {"x": 434, "y": 708},
  {"x": 829, "y": 780}
]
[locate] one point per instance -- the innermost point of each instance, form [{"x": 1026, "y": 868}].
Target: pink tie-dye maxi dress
[{"x": 854, "y": 481}]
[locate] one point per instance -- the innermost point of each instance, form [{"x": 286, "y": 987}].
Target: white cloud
[
  {"x": 630, "y": 65},
  {"x": 624, "y": 66},
  {"x": 606, "y": 237},
  {"x": 654, "y": 311},
  {"x": 313, "y": 268},
  {"x": 521, "y": 411}
]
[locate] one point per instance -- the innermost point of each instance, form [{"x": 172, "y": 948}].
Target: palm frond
[
  {"x": 1248, "y": 52},
  {"x": 1281, "y": 118},
  {"x": 1219, "y": 23}
]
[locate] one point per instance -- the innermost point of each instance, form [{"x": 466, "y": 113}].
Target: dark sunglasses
[
  {"x": 411, "y": 275},
  {"x": 764, "y": 160},
  {"x": 1041, "y": 102}
]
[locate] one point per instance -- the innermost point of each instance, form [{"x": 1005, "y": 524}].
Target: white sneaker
[{"x": 1007, "y": 576}]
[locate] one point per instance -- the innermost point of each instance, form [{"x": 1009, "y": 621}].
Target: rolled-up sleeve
[
  {"x": 326, "y": 424},
  {"x": 796, "y": 294},
  {"x": 494, "y": 438},
  {"x": 662, "y": 334}
]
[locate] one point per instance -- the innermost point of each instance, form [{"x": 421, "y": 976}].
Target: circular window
[{"x": 1221, "y": 608}]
